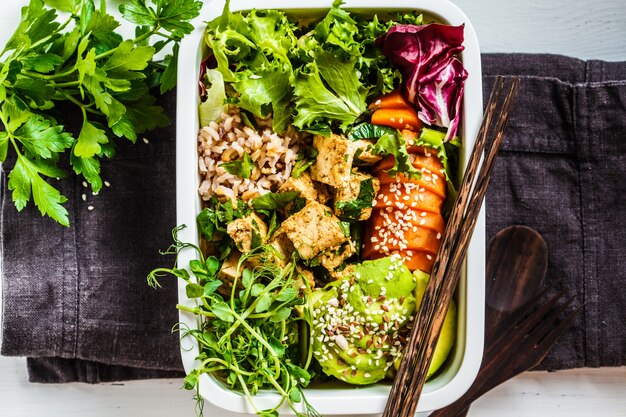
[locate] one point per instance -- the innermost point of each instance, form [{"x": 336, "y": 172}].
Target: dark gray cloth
[
  {"x": 562, "y": 170},
  {"x": 76, "y": 300}
]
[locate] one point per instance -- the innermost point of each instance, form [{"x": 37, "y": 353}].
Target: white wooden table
[{"x": 575, "y": 28}]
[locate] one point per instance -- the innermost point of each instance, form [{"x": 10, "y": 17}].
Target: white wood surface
[{"x": 580, "y": 29}]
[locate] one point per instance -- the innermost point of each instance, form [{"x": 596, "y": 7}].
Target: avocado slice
[
  {"x": 358, "y": 320},
  {"x": 447, "y": 337}
]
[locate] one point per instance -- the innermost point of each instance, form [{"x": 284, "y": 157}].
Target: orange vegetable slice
[
  {"x": 404, "y": 118},
  {"x": 393, "y": 100}
]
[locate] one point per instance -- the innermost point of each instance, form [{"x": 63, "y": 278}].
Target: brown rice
[{"x": 227, "y": 139}]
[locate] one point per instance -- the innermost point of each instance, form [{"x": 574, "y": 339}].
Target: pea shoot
[{"x": 254, "y": 335}]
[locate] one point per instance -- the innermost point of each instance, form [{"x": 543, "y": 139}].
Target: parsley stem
[
  {"x": 84, "y": 107},
  {"x": 33, "y": 74},
  {"x": 66, "y": 84},
  {"x": 166, "y": 36}
]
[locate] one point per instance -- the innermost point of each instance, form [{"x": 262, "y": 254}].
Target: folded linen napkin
[{"x": 76, "y": 300}]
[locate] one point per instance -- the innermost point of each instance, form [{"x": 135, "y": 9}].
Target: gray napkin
[
  {"x": 77, "y": 304},
  {"x": 562, "y": 171}
]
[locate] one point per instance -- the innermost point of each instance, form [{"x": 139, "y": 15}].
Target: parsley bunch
[{"x": 81, "y": 60}]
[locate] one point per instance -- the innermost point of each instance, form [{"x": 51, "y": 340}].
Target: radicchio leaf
[{"x": 433, "y": 78}]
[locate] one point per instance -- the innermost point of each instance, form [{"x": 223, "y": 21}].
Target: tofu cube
[
  {"x": 313, "y": 230},
  {"x": 335, "y": 155},
  {"x": 363, "y": 152},
  {"x": 334, "y": 257},
  {"x": 361, "y": 188},
  {"x": 302, "y": 184},
  {"x": 244, "y": 230}
]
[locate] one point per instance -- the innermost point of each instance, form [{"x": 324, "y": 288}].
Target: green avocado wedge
[
  {"x": 448, "y": 331},
  {"x": 358, "y": 320}
]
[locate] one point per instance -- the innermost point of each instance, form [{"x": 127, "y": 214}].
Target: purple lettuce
[{"x": 433, "y": 78}]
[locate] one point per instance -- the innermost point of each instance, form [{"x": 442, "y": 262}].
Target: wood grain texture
[{"x": 580, "y": 29}]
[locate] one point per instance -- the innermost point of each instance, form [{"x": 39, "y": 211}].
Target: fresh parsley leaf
[
  {"x": 273, "y": 201},
  {"x": 168, "y": 78},
  {"x": 43, "y": 63},
  {"x": 25, "y": 177},
  {"x": 41, "y": 138},
  {"x": 89, "y": 140},
  {"x": 4, "y": 145},
  {"x": 174, "y": 15},
  {"x": 240, "y": 167},
  {"x": 137, "y": 12},
  {"x": 89, "y": 168},
  {"x": 63, "y": 5},
  {"x": 128, "y": 60}
]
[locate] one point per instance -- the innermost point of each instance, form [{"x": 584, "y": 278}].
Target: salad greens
[
  {"x": 80, "y": 60},
  {"x": 318, "y": 80}
]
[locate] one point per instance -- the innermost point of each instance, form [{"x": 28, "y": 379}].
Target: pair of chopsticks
[{"x": 409, "y": 381}]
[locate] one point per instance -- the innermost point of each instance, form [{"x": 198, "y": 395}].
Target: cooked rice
[{"x": 227, "y": 139}]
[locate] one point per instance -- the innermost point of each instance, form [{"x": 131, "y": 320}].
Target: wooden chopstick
[{"x": 411, "y": 376}]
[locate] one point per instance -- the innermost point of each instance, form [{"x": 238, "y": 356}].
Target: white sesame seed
[
  {"x": 107, "y": 184},
  {"x": 84, "y": 197},
  {"x": 90, "y": 208},
  {"x": 145, "y": 140},
  {"x": 85, "y": 184}
]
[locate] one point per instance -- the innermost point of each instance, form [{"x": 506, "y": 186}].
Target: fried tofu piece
[
  {"x": 307, "y": 188},
  {"x": 243, "y": 231},
  {"x": 333, "y": 165},
  {"x": 313, "y": 230},
  {"x": 361, "y": 188},
  {"x": 363, "y": 152},
  {"x": 228, "y": 273},
  {"x": 332, "y": 258}
]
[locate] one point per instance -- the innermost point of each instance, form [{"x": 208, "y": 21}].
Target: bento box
[{"x": 462, "y": 366}]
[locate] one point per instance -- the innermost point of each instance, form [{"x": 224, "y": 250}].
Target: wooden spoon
[{"x": 517, "y": 261}]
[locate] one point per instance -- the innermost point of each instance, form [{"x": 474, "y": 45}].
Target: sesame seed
[
  {"x": 145, "y": 140},
  {"x": 366, "y": 375},
  {"x": 84, "y": 197},
  {"x": 90, "y": 208},
  {"x": 85, "y": 184},
  {"x": 107, "y": 184}
]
